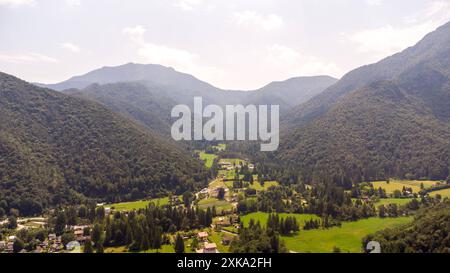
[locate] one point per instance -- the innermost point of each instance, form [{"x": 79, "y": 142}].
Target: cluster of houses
[
  {"x": 7, "y": 246},
  {"x": 228, "y": 166},
  {"x": 210, "y": 247},
  {"x": 52, "y": 244},
  {"x": 79, "y": 232},
  {"x": 223, "y": 222}
]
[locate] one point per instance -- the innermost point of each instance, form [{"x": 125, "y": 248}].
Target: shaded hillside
[
  {"x": 57, "y": 149},
  {"x": 134, "y": 100}
]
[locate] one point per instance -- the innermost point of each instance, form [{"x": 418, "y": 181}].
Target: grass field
[
  {"x": 257, "y": 186},
  {"x": 211, "y": 202},
  {"x": 216, "y": 237},
  {"x": 127, "y": 206},
  {"x": 207, "y": 158},
  {"x": 217, "y": 184},
  {"x": 416, "y": 183},
  {"x": 396, "y": 201},
  {"x": 262, "y": 218},
  {"x": 221, "y": 147},
  {"x": 399, "y": 184},
  {"x": 444, "y": 193},
  {"x": 163, "y": 249},
  {"x": 348, "y": 237},
  {"x": 395, "y": 185},
  {"x": 236, "y": 161},
  {"x": 123, "y": 249},
  {"x": 229, "y": 184},
  {"x": 229, "y": 174}
]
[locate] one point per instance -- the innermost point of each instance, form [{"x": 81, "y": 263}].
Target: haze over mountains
[
  {"x": 147, "y": 93},
  {"x": 182, "y": 87}
]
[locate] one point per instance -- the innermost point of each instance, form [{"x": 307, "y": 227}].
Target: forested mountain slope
[
  {"x": 398, "y": 127},
  {"x": 57, "y": 149}
]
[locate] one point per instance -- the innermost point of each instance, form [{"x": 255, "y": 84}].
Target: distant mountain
[
  {"x": 387, "y": 119},
  {"x": 182, "y": 88},
  {"x": 147, "y": 93},
  {"x": 57, "y": 149},
  {"x": 156, "y": 74},
  {"x": 291, "y": 92}
]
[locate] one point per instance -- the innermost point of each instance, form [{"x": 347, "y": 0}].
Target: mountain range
[{"x": 103, "y": 136}]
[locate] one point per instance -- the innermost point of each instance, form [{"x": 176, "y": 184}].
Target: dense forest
[
  {"x": 380, "y": 132},
  {"x": 428, "y": 233},
  {"x": 134, "y": 100},
  {"x": 57, "y": 149},
  {"x": 389, "y": 119}
]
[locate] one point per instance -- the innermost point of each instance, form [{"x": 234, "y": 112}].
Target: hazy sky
[{"x": 232, "y": 44}]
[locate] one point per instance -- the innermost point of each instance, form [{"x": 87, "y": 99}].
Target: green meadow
[
  {"x": 207, "y": 158},
  {"x": 236, "y": 161},
  {"x": 394, "y": 185},
  {"x": 257, "y": 186},
  {"x": 347, "y": 238},
  {"x": 127, "y": 206},
  {"x": 397, "y": 201},
  {"x": 214, "y": 202},
  {"x": 262, "y": 217}
]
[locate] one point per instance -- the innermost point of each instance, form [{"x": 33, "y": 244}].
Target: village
[{"x": 218, "y": 195}]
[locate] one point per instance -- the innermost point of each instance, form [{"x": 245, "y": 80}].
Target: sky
[{"x": 232, "y": 44}]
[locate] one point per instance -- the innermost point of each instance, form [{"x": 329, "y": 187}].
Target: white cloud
[
  {"x": 179, "y": 59},
  {"x": 187, "y": 4},
  {"x": 287, "y": 62},
  {"x": 374, "y": 2},
  {"x": 27, "y": 58},
  {"x": 15, "y": 3},
  {"x": 73, "y": 3},
  {"x": 71, "y": 47},
  {"x": 254, "y": 19},
  {"x": 387, "y": 40}
]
